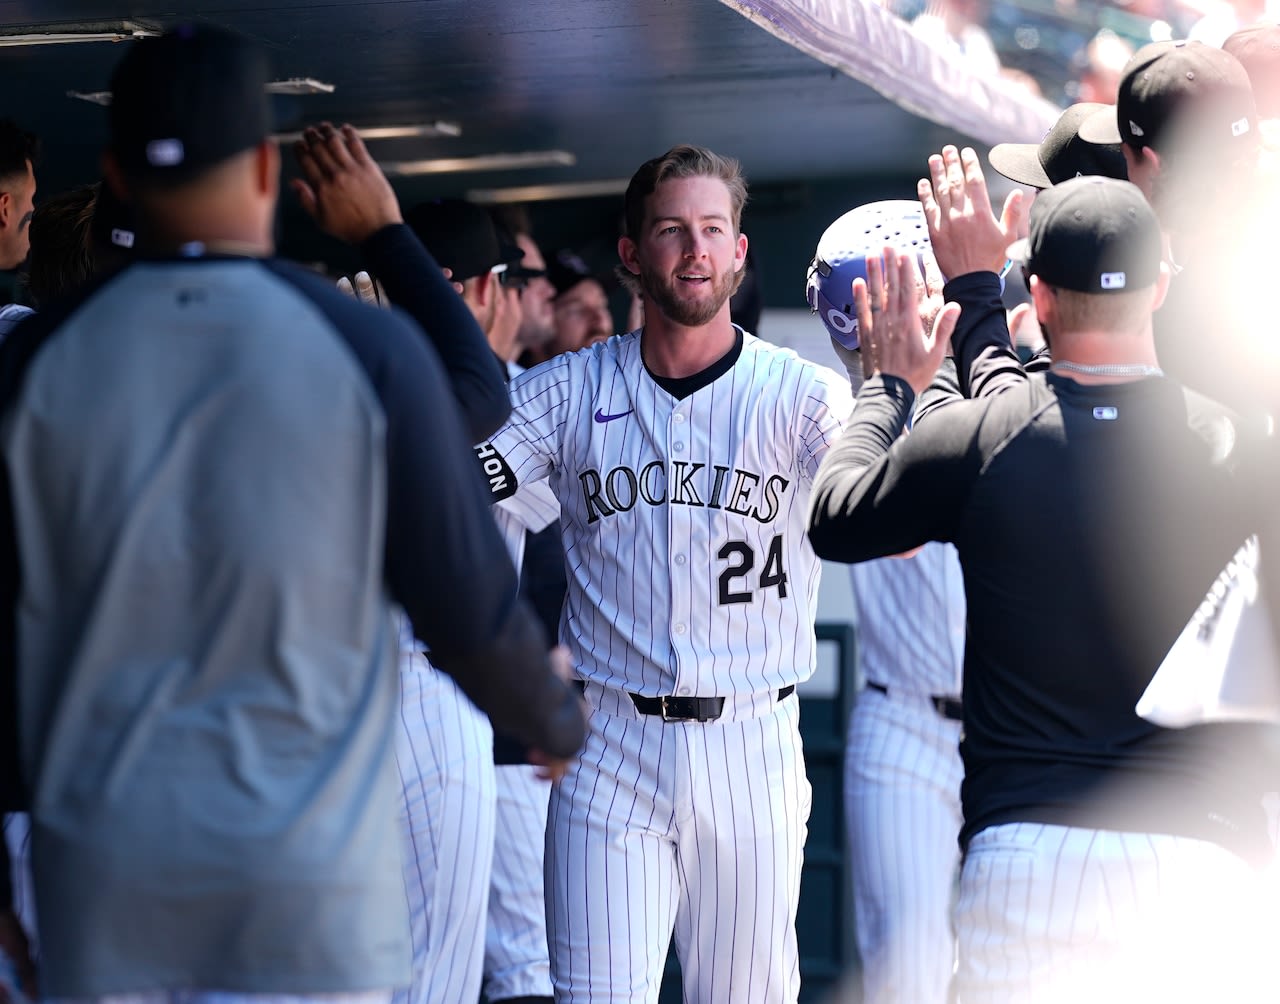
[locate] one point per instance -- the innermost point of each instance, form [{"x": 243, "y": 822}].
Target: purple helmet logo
[{"x": 842, "y": 257}]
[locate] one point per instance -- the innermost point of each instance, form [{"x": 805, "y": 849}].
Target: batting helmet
[{"x": 842, "y": 257}]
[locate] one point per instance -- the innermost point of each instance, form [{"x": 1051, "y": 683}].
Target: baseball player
[
  {"x": 682, "y": 456},
  {"x": 1106, "y": 858},
  {"x": 902, "y": 758}
]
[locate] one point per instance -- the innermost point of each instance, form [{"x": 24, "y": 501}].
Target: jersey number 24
[{"x": 740, "y": 559}]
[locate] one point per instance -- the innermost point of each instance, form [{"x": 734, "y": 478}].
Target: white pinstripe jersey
[
  {"x": 911, "y": 621},
  {"x": 684, "y": 520}
]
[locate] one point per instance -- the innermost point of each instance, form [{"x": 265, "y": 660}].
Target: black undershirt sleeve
[
  {"x": 879, "y": 493},
  {"x": 986, "y": 361},
  {"x": 415, "y": 283}
]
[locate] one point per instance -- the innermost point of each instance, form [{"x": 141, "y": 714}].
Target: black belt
[
  {"x": 688, "y": 709},
  {"x": 948, "y": 707}
]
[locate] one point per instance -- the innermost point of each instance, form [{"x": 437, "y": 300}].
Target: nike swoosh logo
[{"x": 602, "y": 417}]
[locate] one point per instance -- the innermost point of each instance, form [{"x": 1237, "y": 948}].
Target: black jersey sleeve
[
  {"x": 446, "y": 564},
  {"x": 415, "y": 283},
  {"x": 880, "y": 493},
  {"x": 986, "y": 362}
]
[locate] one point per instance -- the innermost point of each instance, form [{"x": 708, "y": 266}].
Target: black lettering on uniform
[
  {"x": 501, "y": 478},
  {"x": 773, "y": 488},
  {"x": 683, "y": 485},
  {"x": 591, "y": 486},
  {"x": 741, "y": 491},
  {"x": 611, "y": 490},
  {"x": 716, "y": 488},
  {"x": 646, "y": 492}
]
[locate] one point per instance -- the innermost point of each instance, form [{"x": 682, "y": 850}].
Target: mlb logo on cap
[
  {"x": 1112, "y": 280},
  {"x": 164, "y": 152}
]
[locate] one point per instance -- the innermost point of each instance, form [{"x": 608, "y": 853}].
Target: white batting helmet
[{"x": 842, "y": 257}]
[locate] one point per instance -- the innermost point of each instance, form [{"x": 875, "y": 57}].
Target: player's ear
[
  {"x": 740, "y": 254},
  {"x": 6, "y": 209},
  {"x": 266, "y": 164},
  {"x": 486, "y": 288},
  {"x": 627, "y": 254}
]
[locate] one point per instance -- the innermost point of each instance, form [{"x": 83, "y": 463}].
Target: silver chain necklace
[{"x": 1109, "y": 369}]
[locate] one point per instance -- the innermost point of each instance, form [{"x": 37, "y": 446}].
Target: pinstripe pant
[
  {"x": 902, "y": 806},
  {"x": 444, "y": 750},
  {"x": 515, "y": 944},
  {"x": 693, "y": 827},
  {"x": 1064, "y": 914}
]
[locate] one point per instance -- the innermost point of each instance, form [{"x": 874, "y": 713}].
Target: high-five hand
[
  {"x": 342, "y": 187},
  {"x": 888, "y": 308},
  {"x": 964, "y": 232}
]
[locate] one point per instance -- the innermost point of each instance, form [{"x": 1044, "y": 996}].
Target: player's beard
[{"x": 664, "y": 292}]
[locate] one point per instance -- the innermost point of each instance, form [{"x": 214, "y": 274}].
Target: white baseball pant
[
  {"x": 902, "y": 809},
  {"x": 1055, "y": 914},
  {"x": 444, "y": 750},
  {"x": 516, "y": 963},
  {"x": 693, "y": 827}
]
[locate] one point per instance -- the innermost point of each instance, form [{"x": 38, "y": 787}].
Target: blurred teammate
[
  {"x": 204, "y": 656},
  {"x": 1105, "y": 858}
]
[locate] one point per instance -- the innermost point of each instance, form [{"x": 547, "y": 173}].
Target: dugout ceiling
[{"x": 611, "y": 82}]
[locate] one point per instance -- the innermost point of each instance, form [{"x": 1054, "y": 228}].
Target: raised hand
[
  {"x": 888, "y": 305},
  {"x": 342, "y": 188},
  {"x": 963, "y": 230}
]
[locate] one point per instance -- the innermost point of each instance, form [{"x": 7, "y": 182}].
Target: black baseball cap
[
  {"x": 1062, "y": 154},
  {"x": 566, "y": 268},
  {"x": 187, "y": 101},
  {"x": 1092, "y": 235},
  {"x": 1258, "y": 50},
  {"x": 462, "y": 237},
  {"x": 1188, "y": 87}
]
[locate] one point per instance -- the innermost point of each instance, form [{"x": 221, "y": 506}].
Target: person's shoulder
[{"x": 756, "y": 349}]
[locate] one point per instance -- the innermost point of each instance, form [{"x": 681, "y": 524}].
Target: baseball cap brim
[
  {"x": 1101, "y": 127},
  {"x": 1020, "y": 162}
]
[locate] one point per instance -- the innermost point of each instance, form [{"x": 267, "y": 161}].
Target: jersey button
[
  {"x": 678, "y": 447},
  {"x": 685, "y": 691},
  {"x": 679, "y": 419},
  {"x": 680, "y": 629},
  {"x": 680, "y": 559}
]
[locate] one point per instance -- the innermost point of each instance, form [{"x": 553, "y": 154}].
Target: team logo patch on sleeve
[{"x": 497, "y": 472}]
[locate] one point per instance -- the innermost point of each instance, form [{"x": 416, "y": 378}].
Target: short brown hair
[
  {"x": 1116, "y": 312},
  {"x": 683, "y": 162}
]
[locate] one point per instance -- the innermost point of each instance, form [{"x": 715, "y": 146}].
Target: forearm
[
  {"x": 986, "y": 362},
  {"x": 849, "y": 470},
  {"x": 944, "y": 390},
  {"x": 415, "y": 283},
  {"x": 511, "y": 678}
]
